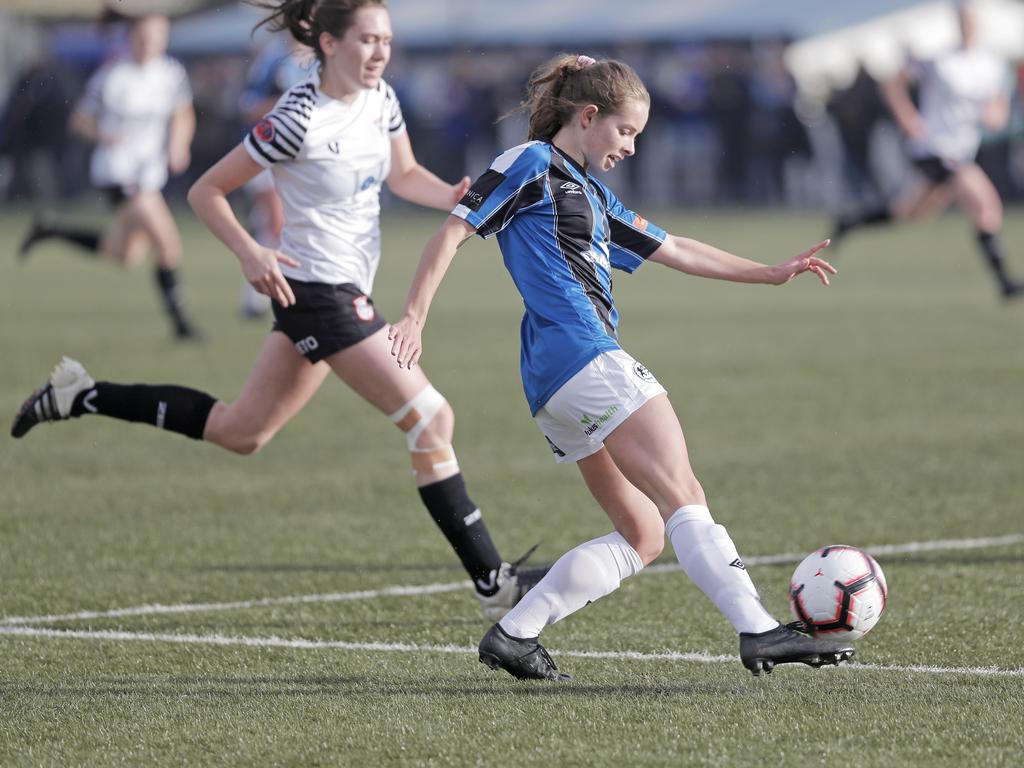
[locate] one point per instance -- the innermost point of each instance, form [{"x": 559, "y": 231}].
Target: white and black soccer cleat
[
  {"x": 523, "y": 658},
  {"x": 53, "y": 400},
  {"x": 786, "y": 645},
  {"x": 513, "y": 582}
]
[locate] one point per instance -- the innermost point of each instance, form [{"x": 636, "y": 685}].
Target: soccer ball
[{"x": 838, "y": 591}]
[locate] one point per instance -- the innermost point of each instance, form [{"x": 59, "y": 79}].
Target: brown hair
[
  {"x": 568, "y": 82},
  {"x": 306, "y": 20}
]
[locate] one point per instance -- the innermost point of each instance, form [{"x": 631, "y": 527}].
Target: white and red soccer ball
[{"x": 838, "y": 592}]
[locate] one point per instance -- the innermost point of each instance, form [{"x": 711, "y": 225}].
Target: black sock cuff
[{"x": 450, "y": 492}]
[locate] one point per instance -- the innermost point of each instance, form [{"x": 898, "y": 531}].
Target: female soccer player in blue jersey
[
  {"x": 560, "y": 231},
  {"x": 331, "y": 142}
]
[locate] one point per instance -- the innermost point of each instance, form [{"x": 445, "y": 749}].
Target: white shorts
[{"x": 590, "y": 405}]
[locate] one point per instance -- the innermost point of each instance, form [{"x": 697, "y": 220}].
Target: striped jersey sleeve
[
  {"x": 514, "y": 181},
  {"x": 392, "y": 111},
  {"x": 278, "y": 137},
  {"x": 631, "y": 237}
]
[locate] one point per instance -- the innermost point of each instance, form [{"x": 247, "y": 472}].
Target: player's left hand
[
  {"x": 460, "y": 189},
  {"x": 805, "y": 262},
  {"x": 406, "y": 342}
]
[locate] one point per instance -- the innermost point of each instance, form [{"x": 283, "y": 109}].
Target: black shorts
[
  {"x": 326, "y": 318},
  {"x": 115, "y": 194},
  {"x": 935, "y": 169}
]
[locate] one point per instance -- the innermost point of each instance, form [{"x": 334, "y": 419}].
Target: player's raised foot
[
  {"x": 786, "y": 645},
  {"x": 513, "y": 581},
  {"x": 53, "y": 400},
  {"x": 524, "y": 658}
]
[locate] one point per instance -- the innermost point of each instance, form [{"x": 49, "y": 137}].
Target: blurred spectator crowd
[{"x": 726, "y": 126}]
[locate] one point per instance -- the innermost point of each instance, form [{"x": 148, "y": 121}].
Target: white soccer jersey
[
  {"x": 954, "y": 92},
  {"x": 134, "y": 103},
  {"x": 329, "y": 159}
]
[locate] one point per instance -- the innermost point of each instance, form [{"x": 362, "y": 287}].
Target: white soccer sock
[
  {"x": 580, "y": 576},
  {"x": 709, "y": 557}
]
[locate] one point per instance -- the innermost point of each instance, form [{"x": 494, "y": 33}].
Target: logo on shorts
[
  {"x": 593, "y": 423},
  {"x": 363, "y": 308},
  {"x": 640, "y": 222},
  {"x": 264, "y": 131},
  {"x": 307, "y": 345},
  {"x": 554, "y": 448},
  {"x": 641, "y": 371}
]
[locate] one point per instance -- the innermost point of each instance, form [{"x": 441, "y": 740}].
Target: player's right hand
[
  {"x": 260, "y": 268},
  {"x": 406, "y": 341}
]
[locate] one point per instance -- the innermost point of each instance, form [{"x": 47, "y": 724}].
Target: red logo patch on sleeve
[
  {"x": 264, "y": 130},
  {"x": 639, "y": 222}
]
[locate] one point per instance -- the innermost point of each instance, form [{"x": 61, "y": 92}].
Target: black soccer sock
[
  {"x": 992, "y": 247},
  {"x": 166, "y": 406},
  {"x": 86, "y": 239},
  {"x": 461, "y": 523},
  {"x": 170, "y": 292},
  {"x": 867, "y": 218}
]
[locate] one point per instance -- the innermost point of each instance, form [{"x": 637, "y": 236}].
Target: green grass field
[{"x": 885, "y": 410}]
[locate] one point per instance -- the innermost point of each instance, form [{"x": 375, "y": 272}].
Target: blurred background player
[
  {"x": 138, "y": 112},
  {"x": 279, "y": 65},
  {"x": 960, "y": 94},
  {"x": 332, "y": 140}
]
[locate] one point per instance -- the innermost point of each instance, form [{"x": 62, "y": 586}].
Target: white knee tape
[{"x": 413, "y": 417}]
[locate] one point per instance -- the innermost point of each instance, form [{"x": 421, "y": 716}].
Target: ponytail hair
[
  {"x": 569, "y": 82},
  {"x": 306, "y": 20}
]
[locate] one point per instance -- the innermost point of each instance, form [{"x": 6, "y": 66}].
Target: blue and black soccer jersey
[{"x": 560, "y": 232}]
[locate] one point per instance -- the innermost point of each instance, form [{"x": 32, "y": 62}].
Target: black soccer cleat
[
  {"x": 53, "y": 400},
  {"x": 513, "y": 581},
  {"x": 786, "y": 645},
  {"x": 524, "y": 658}
]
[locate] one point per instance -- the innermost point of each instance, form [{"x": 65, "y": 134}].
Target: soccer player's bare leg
[
  {"x": 281, "y": 382},
  {"x": 407, "y": 397}
]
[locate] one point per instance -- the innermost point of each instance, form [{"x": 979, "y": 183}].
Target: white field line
[
  {"x": 278, "y": 642},
  {"x": 430, "y": 589}
]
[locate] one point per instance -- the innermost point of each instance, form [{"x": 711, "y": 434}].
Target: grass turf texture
[{"x": 885, "y": 409}]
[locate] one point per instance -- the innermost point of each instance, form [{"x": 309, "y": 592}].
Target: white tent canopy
[
  {"x": 824, "y": 62},
  {"x": 523, "y": 22}
]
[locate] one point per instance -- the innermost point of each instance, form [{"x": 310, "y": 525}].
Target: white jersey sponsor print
[
  {"x": 133, "y": 104},
  {"x": 329, "y": 159}
]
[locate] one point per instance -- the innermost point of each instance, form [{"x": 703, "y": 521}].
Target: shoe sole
[{"x": 760, "y": 664}]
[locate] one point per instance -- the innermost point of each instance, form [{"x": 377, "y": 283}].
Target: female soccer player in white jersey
[
  {"x": 138, "y": 112},
  {"x": 331, "y": 142},
  {"x": 960, "y": 93},
  {"x": 560, "y": 231}
]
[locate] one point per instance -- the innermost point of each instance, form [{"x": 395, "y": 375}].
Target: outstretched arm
[
  {"x": 411, "y": 181},
  {"x": 696, "y": 258},
  {"x": 406, "y": 335}
]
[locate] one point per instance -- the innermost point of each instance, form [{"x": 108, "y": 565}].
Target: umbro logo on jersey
[
  {"x": 737, "y": 563},
  {"x": 571, "y": 188},
  {"x": 334, "y": 147}
]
